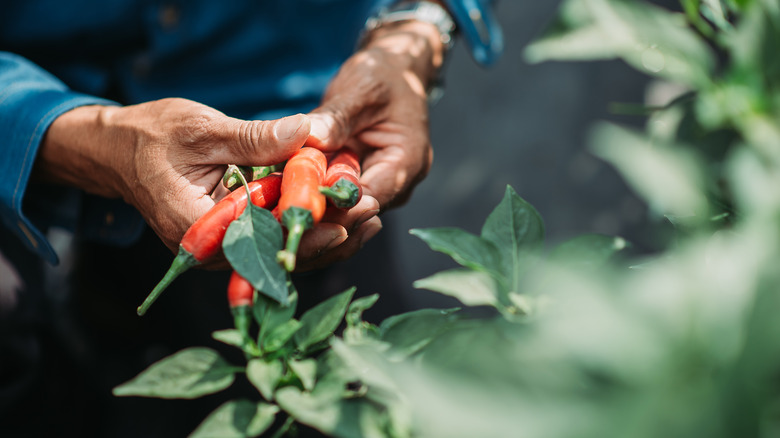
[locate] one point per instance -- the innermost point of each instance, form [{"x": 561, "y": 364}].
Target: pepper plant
[{"x": 579, "y": 340}]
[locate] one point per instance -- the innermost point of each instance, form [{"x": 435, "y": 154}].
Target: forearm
[
  {"x": 76, "y": 151},
  {"x": 30, "y": 100},
  {"x": 417, "y": 45}
]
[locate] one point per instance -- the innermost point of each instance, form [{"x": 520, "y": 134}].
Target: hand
[
  {"x": 163, "y": 157},
  {"x": 377, "y": 104}
]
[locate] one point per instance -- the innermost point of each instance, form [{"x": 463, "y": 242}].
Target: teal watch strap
[{"x": 478, "y": 26}]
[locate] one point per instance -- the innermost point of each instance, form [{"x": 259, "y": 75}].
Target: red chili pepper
[
  {"x": 241, "y": 295},
  {"x": 240, "y": 291},
  {"x": 342, "y": 179},
  {"x": 203, "y": 240},
  {"x": 301, "y": 204}
]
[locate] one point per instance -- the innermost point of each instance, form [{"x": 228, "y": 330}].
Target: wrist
[
  {"x": 431, "y": 21},
  {"x": 415, "y": 46},
  {"x": 78, "y": 151}
]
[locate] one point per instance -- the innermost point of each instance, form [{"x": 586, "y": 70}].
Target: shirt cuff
[{"x": 28, "y": 107}]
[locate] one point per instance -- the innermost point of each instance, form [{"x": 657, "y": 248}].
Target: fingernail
[
  {"x": 372, "y": 228},
  {"x": 288, "y": 127},
  {"x": 319, "y": 129}
]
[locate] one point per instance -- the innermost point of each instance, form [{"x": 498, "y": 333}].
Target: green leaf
[
  {"x": 589, "y": 251},
  {"x": 754, "y": 42},
  {"x": 190, "y": 373},
  {"x": 465, "y": 248},
  {"x": 231, "y": 337},
  {"x": 357, "y": 330},
  {"x": 410, "y": 332},
  {"x": 237, "y": 419},
  {"x": 265, "y": 375},
  {"x": 355, "y": 311},
  {"x": 281, "y": 335},
  {"x": 716, "y": 13},
  {"x": 334, "y": 416},
  {"x": 250, "y": 245},
  {"x": 472, "y": 288},
  {"x": 667, "y": 177},
  {"x": 319, "y": 322},
  {"x": 270, "y": 314},
  {"x": 651, "y": 39},
  {"x": 306, "y": 370},
  {"x": 516, "y": 229}
]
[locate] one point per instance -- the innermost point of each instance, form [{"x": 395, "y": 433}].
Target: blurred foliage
[
  {"x": 579, "y": 340},
  {"x": 586, "y": 342}
]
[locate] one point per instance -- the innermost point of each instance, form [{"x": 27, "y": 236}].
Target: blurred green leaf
[
  {"x": 588, "y": 251},
  {"x": 237, "y": 419},
  {"x": 652, "y": 40},
  {"x": 319, "y": 322},
  {"x": 753, "y": 44},
  {"x": 410, "y": 332},
  {"x": 472, "y": 288},
  {"x": 752, "y": 397},
  {"x": 357, "y": 330},
  {"x": 306, "y": 370},
  {"x": 465, "y": 248},
  {"x": 230, "y": 337},
  {"x": 334, "y": 416},
  {"x": 265, "y": 375},
  {"x": 668, "y": 178},
  {"x": 190, "y": 373},
  {"x": 715, "y": 11},
  {"x": 269, "y": 314},
  {"x": 280, "y": 335},
  {"x": 355, "y": 311},
  {"x": 754, "y": 184}
]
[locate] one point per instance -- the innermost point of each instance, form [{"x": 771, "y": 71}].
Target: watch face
[{"x": 426, "y": 11}]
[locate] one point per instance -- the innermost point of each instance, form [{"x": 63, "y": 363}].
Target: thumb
[
  {"x": 262, "y": 142},
  {"x": 334, "y": 122}
]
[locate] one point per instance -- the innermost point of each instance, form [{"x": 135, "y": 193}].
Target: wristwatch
[
  {"x": 425, "y": 11},
  {"x": 473, "y": 20}
]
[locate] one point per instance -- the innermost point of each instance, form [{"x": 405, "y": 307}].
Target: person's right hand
[{"x": 163, "y": 157}]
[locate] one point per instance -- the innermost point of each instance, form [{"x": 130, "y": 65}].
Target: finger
[
  {"x": 320, "y": 238},
  {"x": 391, "y": 173},
  {"x": 385, "y": 179},
  {"x": 328, "y": 130},
  {"x": 366, "y": 208},
  {"x": 335, "y": 121},
  {"x": 338, "y": 226},
  {"x": 346, "y": 249},
  {"x": 261, "y": 142}
]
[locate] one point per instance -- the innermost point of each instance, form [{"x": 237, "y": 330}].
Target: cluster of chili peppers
[{"x": 298, "y": 197}]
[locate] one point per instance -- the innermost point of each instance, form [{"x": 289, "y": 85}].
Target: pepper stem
[
  {"x": 297, "y": 220},
  {"x": 242, "y": 319},
  {"x": 183, "y": 261},
  {"x": 231, "y": 179},
  {"x": 343, "y": 193}
]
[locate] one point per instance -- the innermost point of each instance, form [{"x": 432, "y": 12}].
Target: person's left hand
[{"x": 377, "y": 105}]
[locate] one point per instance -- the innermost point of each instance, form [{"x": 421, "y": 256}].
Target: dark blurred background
[{"x": 526, "y": 126}]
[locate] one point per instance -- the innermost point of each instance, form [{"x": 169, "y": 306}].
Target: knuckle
[
  {"x": 198, "y": 126},
  {"x": 250, "y": 134}
]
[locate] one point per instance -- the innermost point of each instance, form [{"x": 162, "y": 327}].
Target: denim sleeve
[{"x": 30, "y": 100}]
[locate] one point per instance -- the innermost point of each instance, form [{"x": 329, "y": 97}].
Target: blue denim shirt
[{"x": 258, "y": 59}]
